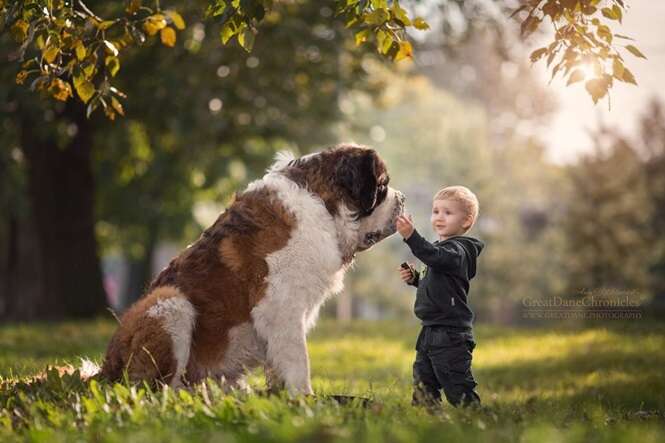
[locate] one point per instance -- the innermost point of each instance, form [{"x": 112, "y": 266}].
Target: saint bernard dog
[{"x": 246, "y": 293}]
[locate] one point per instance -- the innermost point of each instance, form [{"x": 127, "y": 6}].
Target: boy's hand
[
  {"x": 406, "y": 274},
  {"x": 405, "y": 225}
]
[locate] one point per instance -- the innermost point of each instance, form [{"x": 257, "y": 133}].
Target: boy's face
[{"x": 449, "y": 218}]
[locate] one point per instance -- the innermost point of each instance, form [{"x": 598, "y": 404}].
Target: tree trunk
[
  {"x": 61, "y": 194},
  {"x": 140, "y": 270}
]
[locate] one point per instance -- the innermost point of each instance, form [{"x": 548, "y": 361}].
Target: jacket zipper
[{"x": 452, "y": 301}]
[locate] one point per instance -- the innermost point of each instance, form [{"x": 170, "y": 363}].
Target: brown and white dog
[{"x": 249, "y": 289}]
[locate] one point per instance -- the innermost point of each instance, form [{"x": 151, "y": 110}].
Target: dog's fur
[{"x": 248, "y": 291}]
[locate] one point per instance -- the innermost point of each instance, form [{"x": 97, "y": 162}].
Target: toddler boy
[{"x": 445, "y": 343}]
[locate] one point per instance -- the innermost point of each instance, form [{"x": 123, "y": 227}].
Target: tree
[
  {"x": 185, "y": 130},
  {"x": 607, "y": 219},
  {"x": 650, "y": 147},
  {"x": 68, "y": 47}
]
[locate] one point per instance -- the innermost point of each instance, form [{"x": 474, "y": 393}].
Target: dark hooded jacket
[{"x": 443, "y": 286}]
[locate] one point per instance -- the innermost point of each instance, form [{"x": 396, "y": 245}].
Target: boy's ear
[{"x": 467, "y": 222}]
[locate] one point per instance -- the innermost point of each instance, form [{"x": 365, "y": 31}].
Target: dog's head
[
  {"x": 362, "y": 180},
  {"x": 352, "y": 181}
]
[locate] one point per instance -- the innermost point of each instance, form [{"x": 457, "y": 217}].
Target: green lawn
[{"x": 592, "y": 383}]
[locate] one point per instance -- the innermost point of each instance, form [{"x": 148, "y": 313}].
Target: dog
[{"x": 246, "y": 293}]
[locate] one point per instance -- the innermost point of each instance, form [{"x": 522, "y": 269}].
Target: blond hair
[{"x": 463, "y": 195}]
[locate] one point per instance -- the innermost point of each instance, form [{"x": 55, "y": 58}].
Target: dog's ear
[{"x": 357, "y": 175}]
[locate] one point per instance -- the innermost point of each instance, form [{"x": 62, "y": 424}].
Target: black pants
[{"x": 443, "y": 361}]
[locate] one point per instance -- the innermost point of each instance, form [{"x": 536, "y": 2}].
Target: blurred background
[{"x": 572, "y": 195}]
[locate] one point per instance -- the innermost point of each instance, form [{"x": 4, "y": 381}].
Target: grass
[{"x": 601, "y": 382}]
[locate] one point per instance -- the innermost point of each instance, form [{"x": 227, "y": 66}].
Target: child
[{"x": 445, "y": 343}]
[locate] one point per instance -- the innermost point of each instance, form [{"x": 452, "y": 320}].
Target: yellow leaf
[
  {"x": 405, "y": 51},
  {"x": 113, "y": 65},
  {"x": 576, "y": 76},
  {"x": 227, "y": 32},
  {"x": 117, "y": 106},
  {"x": 383, "y": 41},
  {"x": 50, "y": 53},
  {"x": 21, "y": 76},
  {"x": 154, "y": 24},
  {"x": 400, "y": 14},
  {"x": 177, "y": 20},
  {"x": 133, "y": 6},
  {"x": 80, "y": 50},
  {"x": 377, "y": 17},
  {"x": 168, "y": 36},
  {"x": 89, "y": 70},
  {"x": 628, "y": 76},
  {"x": 84, "y": 88},
  {"x": 20, "y": 30},
  {"x": 106, "y": 24},
  {"x": 60, "y": 90},
  {"x": 420, "y": 23},
  {"x": 617, "y": 68},
  {"x": 636, "y": 52},
  {"x": 246, "y": 39},
  {"x": 361, "y": 37}
]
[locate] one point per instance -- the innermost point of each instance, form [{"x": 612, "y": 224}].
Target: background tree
[
  {"x": 651, "y": 146},
  {"x": 207, "y": 112},
  {"x": 607, "y": 219}
]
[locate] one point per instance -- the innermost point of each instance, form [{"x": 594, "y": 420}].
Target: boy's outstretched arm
[{"x": 446, "y": 256}]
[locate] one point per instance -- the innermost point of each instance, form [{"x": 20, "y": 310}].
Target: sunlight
[{"x": 587, "y": 69}]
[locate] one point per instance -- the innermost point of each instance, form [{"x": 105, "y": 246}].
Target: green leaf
[
  {"x": 246, "y": 39},
  {"x": 420, "y": 23},
  {"x": 609, "y": 13},
  {"x": 617, "y": 12},
  {"x": 399, "y": 13},
  {"x": 361, "y": 36},
  {"x": 84, "y": 88},
  {"x": 106, "y": 24},
  {"x": 228, "y": 31},
  {"x": 113, "y": 65},
  {"x": 51, "y": 53},
  {"x": 636, "y": 52},
  {"x": 80, "y": 50},
  {"x": 377, "y": 17},
  {"x": 383, "y": 41}
]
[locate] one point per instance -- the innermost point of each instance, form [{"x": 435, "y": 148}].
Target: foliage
[
  {"x": 607, "y": 219},
  {"x": 68, "y": 47},
  {"x": 584, "y": 47},
  {"x": 552, "y": 383}
]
